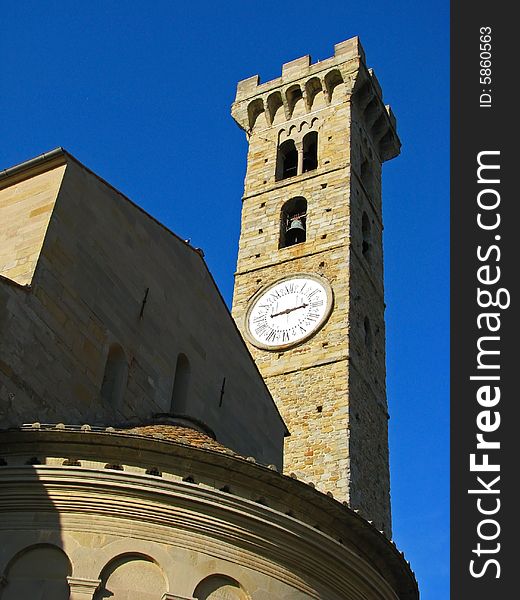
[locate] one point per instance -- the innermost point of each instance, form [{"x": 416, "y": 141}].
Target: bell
[{"x": 295, "y": 233}]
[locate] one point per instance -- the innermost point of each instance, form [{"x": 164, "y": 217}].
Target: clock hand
[{"x": 288, "y": 310}]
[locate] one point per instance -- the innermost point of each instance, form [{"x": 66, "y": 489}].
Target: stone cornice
[
  {"x": 191, "y": 517},
  {"x": 234, "y": 500}
]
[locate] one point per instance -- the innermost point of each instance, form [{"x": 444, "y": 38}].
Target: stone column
[
  {"x": 299, "y": 148},
  {"x": 82, "y": 589}
]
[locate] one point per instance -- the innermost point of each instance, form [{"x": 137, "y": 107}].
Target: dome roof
[{"x": 179, "y": 434}]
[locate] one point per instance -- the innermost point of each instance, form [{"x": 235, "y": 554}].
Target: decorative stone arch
[
  {"x": 42, "y": 569},
  {"x": 220, "y": 587},
  {"x": 294, "y": 96},
  {"x": 333, "y": 79},
  {"x": 292, "y": 150},
  {"x": 293, "y": 129},
  {"x": 386, "y": 144},
  {"x": 254, "y": 110},
  {"x": 363, "y": 93},
  {"x": 379, "y": 128},
  {"x": 134, "y": 572},
  {"x": 371, "y": 112},
  {"x": 99, "y": 559},
  {"x": 275, "y": 108},
  {"x": 315, "y": 94},
  {"x": 19, "y": 543},
  {"x": 304, "y": 126}
]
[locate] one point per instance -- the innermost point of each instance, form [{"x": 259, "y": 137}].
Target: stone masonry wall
[
  {"x": 25, "y": 210},
  {"x": 309, "y": 381},
  {"x": 100, "y": 256},
  {"x": 330, "y": 388}
]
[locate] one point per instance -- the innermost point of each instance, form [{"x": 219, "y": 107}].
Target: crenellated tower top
[{"x": 260, "y": 106}]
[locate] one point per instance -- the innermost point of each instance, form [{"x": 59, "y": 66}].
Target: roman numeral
[
  {"x": 260, "y": 330},
  {"x": 270, "y": 337}
]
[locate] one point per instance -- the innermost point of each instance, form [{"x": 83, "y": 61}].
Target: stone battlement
[
  {"x": 340, "y": 78},
  {"x": 302, "y": 67}
]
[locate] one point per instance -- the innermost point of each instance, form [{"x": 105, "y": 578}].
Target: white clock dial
[{"x": 288, "y": 311}]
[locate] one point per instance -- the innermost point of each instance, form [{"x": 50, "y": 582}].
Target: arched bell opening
[
  {"x": 310, "y": 151},
  {"x": 293, "y": 222},
  {"x": 286, "y": 160}
]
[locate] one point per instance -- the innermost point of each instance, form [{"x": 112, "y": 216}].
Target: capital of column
[{"x": 81, "y": 588}]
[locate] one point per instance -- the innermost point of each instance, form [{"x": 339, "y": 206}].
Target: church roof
[{"x": 179, "y": 434}]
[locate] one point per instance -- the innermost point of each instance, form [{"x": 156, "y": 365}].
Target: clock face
[{"x": 288, "y": 311}]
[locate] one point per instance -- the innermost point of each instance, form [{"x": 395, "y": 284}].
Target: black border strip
[{"x": 485, "y": 257}]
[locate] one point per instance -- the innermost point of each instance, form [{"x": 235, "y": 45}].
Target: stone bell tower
[{"x": 308, "y": 295}]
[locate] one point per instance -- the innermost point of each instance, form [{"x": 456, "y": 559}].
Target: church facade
[{"x": 153, "y": 445}]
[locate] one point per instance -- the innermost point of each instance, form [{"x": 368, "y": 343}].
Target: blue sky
[{"x": 141, "y": 94}]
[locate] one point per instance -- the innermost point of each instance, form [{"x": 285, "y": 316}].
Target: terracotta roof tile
[{"x": 177, "y": 433}]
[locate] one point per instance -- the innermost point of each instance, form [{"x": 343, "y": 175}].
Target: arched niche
[
  {"x": 315, "y": 94},
  {"x": 275, "y": 108},
  {"x": 181, "y": 386},
  {"x": 38, "y": 572},
  {"x": 295, "y": 102},
  {"x": 131, "y": 576},
  {"x": 219, "y": 587},
  {"x": 254, "y": 110},
  {"x": 334, "y": 84},
  {"x": 115, "y": 375}
]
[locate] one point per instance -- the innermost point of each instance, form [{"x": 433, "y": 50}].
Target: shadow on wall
[
  {"x": 33, "y": 562},
  {"x": 37, "y": 563}
]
